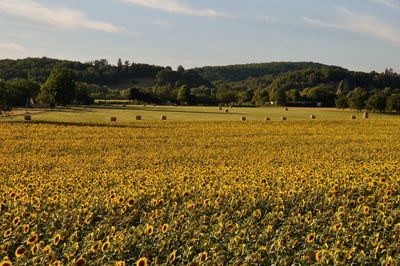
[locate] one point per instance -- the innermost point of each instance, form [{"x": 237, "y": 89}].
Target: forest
[{"x": 62, "y": 82}]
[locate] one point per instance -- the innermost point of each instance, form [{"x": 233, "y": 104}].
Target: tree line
[{"x": 286, "y": 84}]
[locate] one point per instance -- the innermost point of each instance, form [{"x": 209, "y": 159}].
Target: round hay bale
[
  {"x": 286, "y": 109},
  {"x": 312, "y": 117},
  {"x": 353, "y": 117},
  {"x": 27, "y": 117},
  {"x": 283, "y": 118},
  {"x": 226, "y": 111},
  {"x": 365, "y": 115},
  {"x": 138, "y": 117},
  {"x": 124, "y": 105},
  {"x": 163, "y": 117},
  {"x": 267, "y": 119},
  {"x": 243, "y": 118},
  {"x": 113, "y": 119},
  {"x": 220, "y": 108}
]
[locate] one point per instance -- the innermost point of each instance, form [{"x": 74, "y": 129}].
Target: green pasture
[{"x": 101, "y": 114}]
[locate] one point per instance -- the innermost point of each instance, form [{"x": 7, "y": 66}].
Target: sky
[{"x": 361, "y": 35}]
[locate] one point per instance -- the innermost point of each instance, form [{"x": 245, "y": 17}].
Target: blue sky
[{"x": 358, "y": 34}]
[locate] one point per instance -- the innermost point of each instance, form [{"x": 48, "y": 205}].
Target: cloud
[
  {"x": 319, "y": 23},
  {"x": 388, "y": 3},
  {"x": 11, "y": 46},
  {"x": 362, "y": 24},
  {"x": 162, "y": 23},
  {"x": 174, "y": 6},
  {"x": 58, "y": 17}
]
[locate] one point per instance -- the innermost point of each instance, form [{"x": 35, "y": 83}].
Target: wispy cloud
[
  {"x": 11, "y": 46},
  {"x": 163, "y": 23},
  {"x": 175, "y": 6},
  {"x": 389, "y": 3},
  {"x": 362, "y": 24},
  {"x": 59, "y": 17},
  {"x": 319, "y": 23}
]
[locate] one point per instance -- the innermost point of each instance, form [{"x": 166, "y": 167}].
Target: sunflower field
[{"x": 200, "y": 193}]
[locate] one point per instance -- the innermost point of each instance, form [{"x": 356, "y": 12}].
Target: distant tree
[
  {"x": 293, "y": 95},
  {"x": 356, "y": 98},
  {"x": 59, "y": 88},
  {"x": 82, "y": 94},
  {"x": 278, "y": 96},
  {"x": 180, "y": 69},
  {"x": 376, "y": 102},
  {"x": 135, "y": 94},
  {"x": 5, "y": 98},
  {"x": 261, "y": 96},
  {"x": 343, "y": 88},
  {"x": 246, "y": 96},
  {"x": 393, "y": 103},
  {"x": 184, "y": 95},
  {"x": 23, "y": 90},
  {"x": 341, "y": 102},
  {"x": 226, "y": 95},
  {"x": 119, "y": 64},
  {"x": 322, "y": 93}
]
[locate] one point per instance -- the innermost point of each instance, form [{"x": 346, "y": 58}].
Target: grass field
[
  {"x": 100, "y": 114},
  {"x": 201, "y": 193}
]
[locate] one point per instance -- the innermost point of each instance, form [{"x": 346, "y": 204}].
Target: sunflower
[
  {"x": 47, "y": 250},
  {"x": 130, "y": 202},
  {"x": 16, "y": 221},
  {"x": 56, "y": 239},
  {"x": 164, "y": 228},
  {"x": 20, "y": 251},
  {"x": 81, "y": 261},
  {"x": 172, "y": 257},
  {"x": 25, "y": 228},
  {"x": 149, "y": 230},
  {"x": 365, "y": 209},
  {"x": 32, "y": 239},
  {"x": 318, "y": 255},
  {"x": 35, "y": 249},
  {"x": 96, "y": 247},
  {"x": 311, "y": 238},
  {"x": 203, "y": 256},
  {"x": 120, "y": 263},
  {"x": 105, "y": 246},
  {"x": 5, "y": 262},
  {"x": 141, "y": 262},
  {"x": 7, "y": 233}
]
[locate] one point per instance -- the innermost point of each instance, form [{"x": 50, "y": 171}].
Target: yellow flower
[
  {"x": 20, "y": 251},
  {"x": 141, "y": 262}
]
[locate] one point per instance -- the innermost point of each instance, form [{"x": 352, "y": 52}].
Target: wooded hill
[{"x": 284, "y": 83}]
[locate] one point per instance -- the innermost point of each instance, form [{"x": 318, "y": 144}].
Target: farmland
[
  {"x": 196, "y": 192},
  {"x": 103, "y": 113}
]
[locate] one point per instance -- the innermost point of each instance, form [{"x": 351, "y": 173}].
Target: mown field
[
  {"x": 103, "y": 113},
  {"x": 201, "y": 193}
]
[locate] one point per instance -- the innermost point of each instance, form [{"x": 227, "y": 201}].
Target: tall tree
[
  {"x": 393, "y": 103},
  {"x": 59, "y": 88},
  {"x": 356, "y": 98},
  {"x": 23, "y": 90}
]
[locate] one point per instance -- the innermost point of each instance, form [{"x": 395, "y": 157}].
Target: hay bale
[
  {"x": 365, "y": 115},
  {"x": 220, "y": 108},
  {"x": 113, "y": 119},
  {"x": 286, "y": 109},
  {"x": 226, "y": 111},
  {"x": 163, "y": 117},
  {"x": 353, "y": 117},
  {"x": 27, "y": 117},
  {"x": 312, "y": 117},
  {"x": 138, "y": 117},
  {"x": 267, "y": 119},
  {"x": 124, "y": 105},
  {"x": 243, "y": 118},
  {"x": 283, "y": 118}
]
